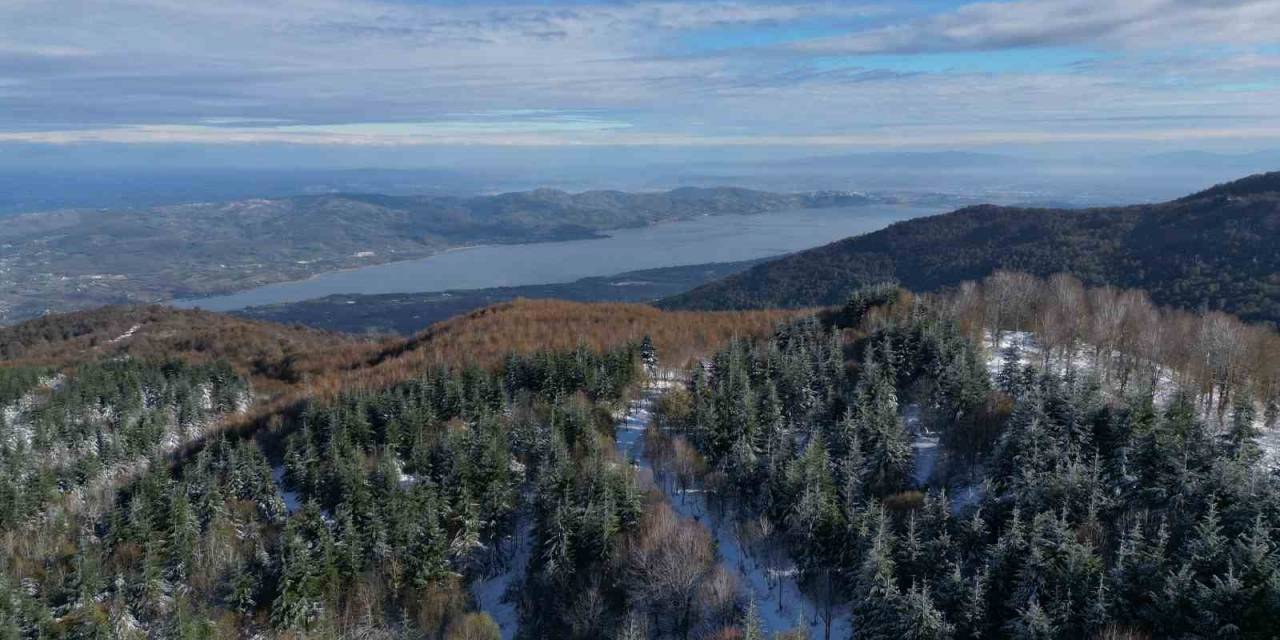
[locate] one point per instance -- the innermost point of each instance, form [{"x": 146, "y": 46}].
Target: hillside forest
[
  {"x": 1017, "y": 458},
  {"x": 1212, "y": 250}
]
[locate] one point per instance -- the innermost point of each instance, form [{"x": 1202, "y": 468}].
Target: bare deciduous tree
[
  {"x": 1008, "y": 298},
  {"x": 668, "y": 564}
]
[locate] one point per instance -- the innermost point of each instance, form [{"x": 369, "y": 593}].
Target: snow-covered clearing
[
  {"x": 1082, "y": 360},
  {"x": 508, "y": 567},
  {"x": 1164, "y": 389},
  {"x": 291, "y": 500},
  {"x": 772, "y": 584}
]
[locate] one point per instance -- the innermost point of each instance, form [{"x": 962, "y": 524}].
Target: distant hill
[
  {"x": 1216, "y": 249},
  {"x": 79, "y": 258}
]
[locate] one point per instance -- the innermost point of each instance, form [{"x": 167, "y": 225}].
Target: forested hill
[
  {"x": 185, "y": 474},
  {"x": 72, "y": 259},
  {"x": 1215, "y": 249}
]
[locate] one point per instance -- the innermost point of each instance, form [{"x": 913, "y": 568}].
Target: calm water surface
[{"x": 706, "y": 239}]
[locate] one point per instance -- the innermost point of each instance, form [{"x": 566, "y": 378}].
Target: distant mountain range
[
  {"x": 70, "y": 259},
  {"x": 999, "y": 178},
  {"x": 1215, "y": 249}
]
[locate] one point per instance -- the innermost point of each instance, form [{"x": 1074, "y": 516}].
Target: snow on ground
[
  {"x": 1166, "y": 385},
  {"x": 772, "y": 585},
  {"x": 927, "y": 450},
  {"x": 126, "y": 335},
  {"x": 491, "y": 593},
  {"x": 291, "y": 500},
  {"x": 924, "y": 444},
  {"x": 1270, "y": 443}
]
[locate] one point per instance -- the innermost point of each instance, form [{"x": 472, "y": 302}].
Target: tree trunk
[
  {"x": 829, "y": 602},
  {"x": 684, "y": 619}
]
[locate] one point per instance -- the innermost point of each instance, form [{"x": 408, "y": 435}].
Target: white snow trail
[
  {"x": 773, "y": 586},
  {"x": 491, "y": 592}
]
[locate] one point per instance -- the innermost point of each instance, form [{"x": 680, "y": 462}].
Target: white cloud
[
  {"x": 534, "y": 136},
  {"x": 1113, "y": 23},
  {"x": 372, "y": 72}
]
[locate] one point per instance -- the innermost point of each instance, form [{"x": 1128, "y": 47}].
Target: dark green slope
[{"x": 1216, "y": 249}]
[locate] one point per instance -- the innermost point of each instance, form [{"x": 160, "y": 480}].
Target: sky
[{"x": 389, "y": 79}]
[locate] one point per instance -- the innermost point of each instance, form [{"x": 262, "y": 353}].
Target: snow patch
[
  {"x": 494, "y": 593},
  {"x": 292, "y": 502},
  {"x": 770, "y": 582},
  {"x": 923, "y": 443},
  {"x": 126, "y": 335},
  {"x": 1085, "y": 359}
]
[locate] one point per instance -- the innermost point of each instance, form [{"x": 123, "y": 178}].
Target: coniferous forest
[
  {"x": 1016, "y": 458},
  {"x": 640, "y": 320},
  {"x": 375, "y": 510},
  {"x": 1062, "y": 511}
]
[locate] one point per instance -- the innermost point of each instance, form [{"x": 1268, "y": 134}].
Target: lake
[{"x": 724, "y": 238}]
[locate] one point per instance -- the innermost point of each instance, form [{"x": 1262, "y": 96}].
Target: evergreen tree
[
  {"x": 752, "y": 624},
  {"x": 921, "y": 620}
]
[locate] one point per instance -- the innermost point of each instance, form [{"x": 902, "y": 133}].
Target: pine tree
[
  {"x": 649, "y": 356},
  {"x": 1207, "y": 547},
  {"x": 752, "y": 624},
  {"x": 1241, "y": 438},
  {"x": 1222, "y": 603},
  {"x": 1009, "y": 378},
  {"x": 1096, "y": 614},
  {"x": 1032, "y": 623},
  {"x": 887, "y": 444},
  {"x": 184, "y": 535},
  {"x": 921, "y": 620},
  {"x": 878, "y": 599},
  {"x": 973, "y": 620}
]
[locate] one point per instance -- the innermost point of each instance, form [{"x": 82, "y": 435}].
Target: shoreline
[
  {"x": 191, "y": 303},
  {"x": 222, "y": 301}
]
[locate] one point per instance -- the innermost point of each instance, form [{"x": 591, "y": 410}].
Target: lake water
[{"x": 726, "y": 238}]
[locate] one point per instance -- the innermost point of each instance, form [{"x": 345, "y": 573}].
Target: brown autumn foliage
[
  {"x": 274, "y": 357},
  {"x": 1127, "y": 338},
  {"x": 291, "y": 365},
  {"x": 485, "y": 336}
]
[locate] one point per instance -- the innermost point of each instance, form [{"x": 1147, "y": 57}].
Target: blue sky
[{"x": 683, "y": 76}]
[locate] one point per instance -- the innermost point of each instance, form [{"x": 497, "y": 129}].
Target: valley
[
  {"x": 565, "y": 460},
  {"x": 70, "y": 259},
  {"x": 698, "y": 240},
  {"x": 640, "y": 320}
]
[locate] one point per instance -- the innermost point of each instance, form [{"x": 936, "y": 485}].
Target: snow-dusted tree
[
  {"x": 649, "y": 356},
  {"x": 921, "y": 620}
]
